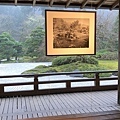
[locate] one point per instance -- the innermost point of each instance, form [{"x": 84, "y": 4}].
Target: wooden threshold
[{"x": 109, "y": 115}]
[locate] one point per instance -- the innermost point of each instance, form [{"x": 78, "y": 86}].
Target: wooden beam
[
  {"x": 16, "y": 2},
  {"x": 68, "y": 3},
  {"x": 84, "y": 3},
  {"x": 119, "y": 59},
  {"x": 51, "y": 2},
  {"x": 34, "y": 2},
  {"x": 114, "y": 5},
  {"x": 100, "y": 4}
]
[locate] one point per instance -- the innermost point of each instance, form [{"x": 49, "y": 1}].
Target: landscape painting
[{"x": 70, "y": 32}]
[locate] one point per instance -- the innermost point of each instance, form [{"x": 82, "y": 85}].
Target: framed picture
[{"x": 70, "y": 32}]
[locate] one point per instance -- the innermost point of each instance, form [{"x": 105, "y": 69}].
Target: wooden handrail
[
  {"x": 58, "y": 73},
  {"x": 68, "y": 88}
]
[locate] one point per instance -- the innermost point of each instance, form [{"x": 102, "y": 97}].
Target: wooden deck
[{"x": 57, "y": 104}]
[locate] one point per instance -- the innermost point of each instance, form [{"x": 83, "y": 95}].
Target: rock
[{"x": 76, "y": 75}]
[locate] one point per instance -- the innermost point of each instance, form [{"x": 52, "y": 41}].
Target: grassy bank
[{"x": 109, "y": 64}]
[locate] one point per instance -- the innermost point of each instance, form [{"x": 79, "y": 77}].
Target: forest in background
[{"x": 22, "y": 34}]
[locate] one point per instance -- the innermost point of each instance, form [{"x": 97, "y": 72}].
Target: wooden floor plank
[
  {"x": 95, "y": 100},
  {"x": 4, "y": 118},
  {"x": 90, "y": 97},
  {"x": 76, "y": 101},
  {"x": 0, "y": 100},
  {"x": 60, "y": 103},
  {"x": 48, "y": 103},
  {"x": 55, "y": 103},
  {"x": 15, "y": 107},
  {"x": 32, "y": 104},
  {"x": 36, "y": 104},
  {"x": 70, "y": 101},
  {"x": 19, "y": 116},
  {"x": 85, "y": 101},
  {"x": 66, "y": 101},
  {"x": 9, "y": 117},
  {"x": 6, "y": 106},
  {"x": 10, "y": 108},
  {"x": 59, "y": 113},
  {"x": 2, "y": 105},
  {"x": 28, "y": 107},
  {"x": 23, "y": 104},
  {"x": 44, "y": 102},
  {"x": 41, "y": 106},
  {"x": 40, "y": 114},
  {"x": 81, "y": 110},
  {"x": 24, "y": 116},
  {"x": 107, "y": 97}
]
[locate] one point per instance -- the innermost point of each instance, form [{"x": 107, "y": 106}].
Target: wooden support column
[
  {"x": 97, "y": 81},
  {"x": 68, "y": 84},
  {"x": 119, "y": 59},
  {"x": 1, "y": 89},
  {"x": 35, "y": 83}
]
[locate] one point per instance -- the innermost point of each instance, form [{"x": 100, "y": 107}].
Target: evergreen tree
[
  {"x": 34, "y": 42},
  {"x": 8, "y": 47},
  {"x": 18, "y": 50}
]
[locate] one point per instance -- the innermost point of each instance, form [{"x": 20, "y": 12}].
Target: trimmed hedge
[{"x": 70, "y": 59}]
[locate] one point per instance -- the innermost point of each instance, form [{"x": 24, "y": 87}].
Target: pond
[{"x": 18, "y": 68}]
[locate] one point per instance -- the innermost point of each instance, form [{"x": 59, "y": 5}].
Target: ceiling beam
[
  {"x": 51, "y": 2},
  {"x": 114, "y": 5},
  {"x": 34, "y": 2},
  {"x": 68, "y": 3},
  {"x": 16, "y": 2},
  {"x": 84, "y": 3},
  {"x": 100, "y": 4}
]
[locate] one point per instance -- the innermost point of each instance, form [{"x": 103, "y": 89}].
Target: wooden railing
[{"x": 38, "y": 80}]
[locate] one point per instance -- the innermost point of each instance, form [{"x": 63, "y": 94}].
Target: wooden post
[
  {"x": 68, "y": 84},
  {"x": 36, "y": 83},
  {"x": 119, "y": 59},
  {"x": 97, "y": 81},
  {"x": 1, "y": 89}
]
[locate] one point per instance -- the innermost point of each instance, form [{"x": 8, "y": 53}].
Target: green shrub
[
  {"x": 90, "y": 60},
  {"x": 71, "y": 59},
  {"x": 62, "y": 60},
  {"x": 107, "y": 55}
]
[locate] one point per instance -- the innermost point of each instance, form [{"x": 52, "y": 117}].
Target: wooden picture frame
[{"x": 70, "y": 32}]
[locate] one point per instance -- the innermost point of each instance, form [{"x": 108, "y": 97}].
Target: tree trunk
[
  {"x": 16, "y": 58},
  {"x": 8, "y": 58}
]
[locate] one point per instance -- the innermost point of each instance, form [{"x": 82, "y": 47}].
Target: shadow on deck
[{"x": 58, "y": 104}]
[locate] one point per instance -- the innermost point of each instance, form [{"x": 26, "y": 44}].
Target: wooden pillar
[
  {"x": 97, "y": 81},
  {"x": 35, "y": 83},
  {"x": 119, "y": 59},
  {"x": 68, "y": 84}
]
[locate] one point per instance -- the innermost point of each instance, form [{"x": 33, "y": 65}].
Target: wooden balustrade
[{"x": 68, "y": 88}]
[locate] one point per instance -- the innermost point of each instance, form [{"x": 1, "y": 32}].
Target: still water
[{"x": 18, "y": 68}]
